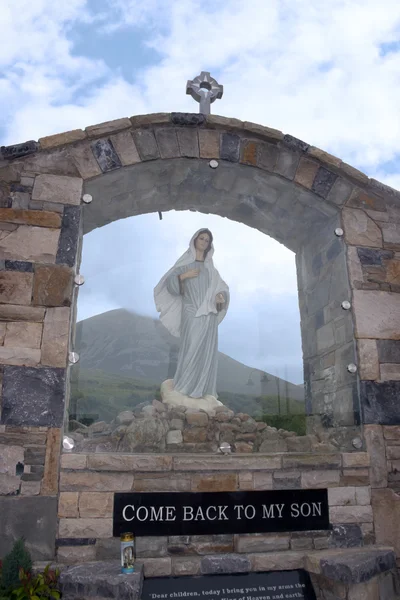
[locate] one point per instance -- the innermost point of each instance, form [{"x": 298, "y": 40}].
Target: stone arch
[{"x": 296, "y": 193}]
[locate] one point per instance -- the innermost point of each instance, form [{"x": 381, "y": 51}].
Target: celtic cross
[{"x": 205, "y": 90}]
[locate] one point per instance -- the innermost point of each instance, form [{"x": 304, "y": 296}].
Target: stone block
[
  {"x": 146, "y": 144},
  {"x": 306, "y": 172},
  {"x": 33, "y": 396},
  {"x": 373, "y": 257},
  {"x": 161, "y": 482},
  {"x": 186, "y": 566},
  {"x": 200, "y": 544},
  {"x": 287, "y": 163},
  {"x": 85, "y": 162},
  {"x": 3, "y": 328},
  {"x": 68, "y": 504},
  {"x": 35, "y": 244},
  {"x": 70, "y": 555},
  {"x": 221, "y": 482},
  {"x": 52, "y": 461},
  {"x": 95, "y": 482},
  {"x": 387, "y": 530},
  {"x": 118, "y": 462},
  {"x": 10, "y": 456},
  {"x": 73, "y": 461},
  {"x": 360, "y": 229},
  {"x": 108, "y": 127},
  {"x": 379, "y": 402},
  {"x": 105, "y": 154},
  {"x": 57, "y": 188},
  {"x": 350, "y": 514},
  {"x": 151, "y": 547},
  {"x": 61, "y": 139},
  {"x": 363, "y": 495},
  {"x": 246, "y": 481},
  {"x": 9, "y": 485},
  {"x": 125, "y": 147},
  {"x": 30, "y": 217},
  {"x": 277, "y": 561},
  {"x": 375, "y": 443},
  {"x": 15, "y": 287},
  {"x": 16, "y": 522},
  {"x": 263, "y": 481},
  {"x": 323, "y": 182},
  {"x": 286, "y": 480},
  {"x": 225, "y": 563},
  {"x": 227, "y": 463},
  {"x": 156, "y": 567},
  {"x": 30, "y": 488},
  {"x": 368, "y": 360},
  {"x": 195, "y": 435},
  {"x": 229, "y": 147},
  {"x": 324, "y": 157},
  {"x": 354, "y": 266},
  {"x": 25, "y": 357},
  {"x": 100, "y": 580},
  {"x": 209, "y": 143},
  {"x": 12, "y": 312},
  {"x": 359, "y": 566},
  {"x": 188, "y": 119},
  {"x": 52, "y": 285},
  {"x": 199, "y": 419},
  {"x": 356, "y": 459},
  {"x": 174, "y": 436},
  {"x": 86, "y": 528},
  {"x": 96, "y": 504},
  {"x": 377, "y": 314},
  {"x": 68, "y": 244},
  {"x": 390, "y": 372},
  {"x": 267, "y": 155},
  {"x": 342, "y": 496},
  {"x": 18, "y": 265},
  {"x": 389, "y": 351},
  {"x": 269, "y": 446},
  {"x": 167, "y": 142},
  {"x": 320, "y": 479},
  {"x": 151, "y": 119},
  {"x": 56, "y": 337},
  {"x": 188, "y": 142},
  {"x": 23, "y": 335},
  {"x": 262, "y": 542},
  {"x": 312, "y": 461}
]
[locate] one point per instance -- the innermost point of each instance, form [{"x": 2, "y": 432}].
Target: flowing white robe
[{"x": 189, "y": 311}]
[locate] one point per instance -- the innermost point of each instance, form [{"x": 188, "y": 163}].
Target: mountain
[{"x": 133, "y": 346}]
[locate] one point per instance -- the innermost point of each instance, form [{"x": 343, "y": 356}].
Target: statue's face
[{"x": 202, "y": 242}]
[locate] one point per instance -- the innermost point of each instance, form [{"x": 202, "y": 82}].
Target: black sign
[
  {"x": 276, "y": 585},
  {"x": 186, "y": 513}
]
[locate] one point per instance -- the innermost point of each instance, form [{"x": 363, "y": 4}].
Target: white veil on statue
[{"x": 170, "y": 306}]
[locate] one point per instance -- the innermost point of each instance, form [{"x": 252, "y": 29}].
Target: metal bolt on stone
[
  {"x": 213, "y": 164},
  {"x": 205, "y": 90},
  {"x": 352, "y": 368},
  {"x": 87, "y": 198},
  {"x": 68, "y": 443},
  {"x": 346, "y": 305},
  {"x": 225, "y": 448},
  {"x": 339, "y": 232},
  {"x": 73, "y": 358},
  {"x": 79, "y": 279},
  {"x": 357, "y": 443}
]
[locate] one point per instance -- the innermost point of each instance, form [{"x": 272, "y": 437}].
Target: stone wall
[
  {"x": 265, "y": 179},
  {"x": 88, "y": 482}
]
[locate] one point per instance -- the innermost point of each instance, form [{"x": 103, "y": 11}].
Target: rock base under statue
[{"x": 175, "y": 398}]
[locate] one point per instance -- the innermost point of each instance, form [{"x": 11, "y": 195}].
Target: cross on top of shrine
[{"x": 205, "y": 90}]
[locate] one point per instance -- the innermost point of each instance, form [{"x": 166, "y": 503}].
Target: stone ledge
[
  {"x": 351, "y": 566},
  {"x": 101, "y": 579}
]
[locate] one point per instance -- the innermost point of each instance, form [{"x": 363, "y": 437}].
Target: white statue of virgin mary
[{"x": 192, "y": 300}]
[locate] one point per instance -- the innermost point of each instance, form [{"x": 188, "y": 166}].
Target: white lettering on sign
[
  {"x": 142, "y": 513},
  {"x": 306, "y": 509},
  {"x": 269, "y": 511}
]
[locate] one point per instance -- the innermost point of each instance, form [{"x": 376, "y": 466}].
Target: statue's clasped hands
[{"x": 220, "y": 299}]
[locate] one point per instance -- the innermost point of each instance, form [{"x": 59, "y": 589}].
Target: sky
[{"x": 325, "y": 72}]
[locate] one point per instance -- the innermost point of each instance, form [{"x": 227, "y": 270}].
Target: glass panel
[{"x": 220, "y": 370}]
